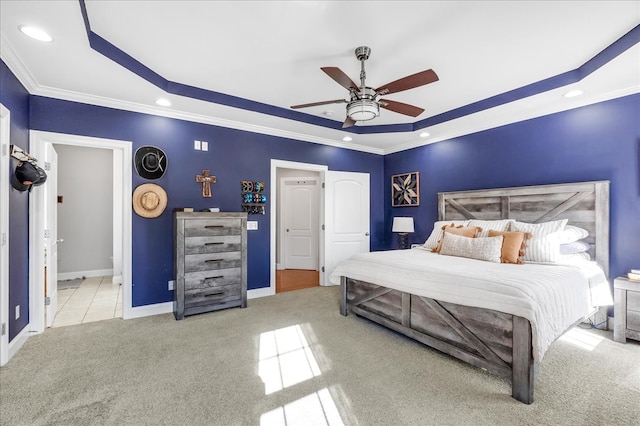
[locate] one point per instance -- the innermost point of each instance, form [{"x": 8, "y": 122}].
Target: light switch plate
[
  {"x": 205, "y": 146},
  {"x": 196, "y": 145},
  {"x": 252, "y": 225}
]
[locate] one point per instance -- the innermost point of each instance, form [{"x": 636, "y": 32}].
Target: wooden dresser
[
  {"x": 626, "y": 319},
  {"x": 210, "y": 262}
]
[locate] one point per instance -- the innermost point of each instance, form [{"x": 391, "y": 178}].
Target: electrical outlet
[
  {"x": 252, "y": 225},
  {"x": 17, "y": 311},
  {"x": 171, "y": 285}
]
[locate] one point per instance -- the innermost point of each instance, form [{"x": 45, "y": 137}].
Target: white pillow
[
  {"x": 575, "y": 247},
  {"x": 436, "y": 234},
  {"x": 490, "y": 225},
  {"x": 488, "y": 249},
  {"x": 544, "y": 246},
  {"x": 572, "y": 234}
]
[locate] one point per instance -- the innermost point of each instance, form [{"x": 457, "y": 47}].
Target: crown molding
[
  {"x": 17, "y": 67},
  {"x": 460, "y": 128}
]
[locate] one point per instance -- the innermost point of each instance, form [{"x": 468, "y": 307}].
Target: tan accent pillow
[
  {"x": 513, "y": 245},
  {"x": 465, "y": 231}
]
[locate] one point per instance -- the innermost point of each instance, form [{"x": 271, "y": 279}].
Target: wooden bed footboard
[{"x": 492, "y": 340}]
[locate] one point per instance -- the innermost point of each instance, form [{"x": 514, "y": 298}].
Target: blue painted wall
[
  {"x": 233, "y": 156},
  {"x": 595, "y": 142},
  {"x": 16, "y": 99}
]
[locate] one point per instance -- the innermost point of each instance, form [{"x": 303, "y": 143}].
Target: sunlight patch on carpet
[
  {"x": 285, "y": 359},
  {"x": 317, "y": 409},
  {"x": 582, "y": 338}
]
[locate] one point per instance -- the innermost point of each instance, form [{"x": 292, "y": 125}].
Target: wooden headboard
[{"x": 584, "y": 204}]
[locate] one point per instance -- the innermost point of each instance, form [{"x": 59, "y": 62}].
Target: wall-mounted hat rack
[{"x": 21, "y": 155}]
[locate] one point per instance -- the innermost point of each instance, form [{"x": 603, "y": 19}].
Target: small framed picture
[{"x": 405, "y": 189}]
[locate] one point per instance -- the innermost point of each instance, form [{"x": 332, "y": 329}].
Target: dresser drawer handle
[
  {"x": 215, "y": 293},
  {"x": 211, "y": 244},
  {"x": 214, "y": 260},
  {"x": 212, "y": 278},
  {"x": 214, "y": 226}
]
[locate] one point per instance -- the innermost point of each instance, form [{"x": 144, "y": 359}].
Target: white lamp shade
[{"x": 402, "y": 224}]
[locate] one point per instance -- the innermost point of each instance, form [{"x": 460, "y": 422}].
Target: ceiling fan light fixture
[{"x": 363, "y": 110}]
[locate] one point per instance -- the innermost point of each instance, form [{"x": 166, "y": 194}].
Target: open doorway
[
  {"x": 41, "y": 315},
  {"x": 88, "y": 287},
  {"x": 298, "y": 223},
  {"x": 296, "y": 255}
]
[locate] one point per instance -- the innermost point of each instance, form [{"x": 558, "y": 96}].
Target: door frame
[
  {"x": 122, "y": 233},
  {"x": 282, "y": 164},
  {"x": 5, "y": 141}
]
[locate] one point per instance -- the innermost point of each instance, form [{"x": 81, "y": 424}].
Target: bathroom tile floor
[{"x": 96, "y": 299}]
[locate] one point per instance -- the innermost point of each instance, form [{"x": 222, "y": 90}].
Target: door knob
[
  {"x": 287, "y": 229},
  {"x": 366, "y": 234}
]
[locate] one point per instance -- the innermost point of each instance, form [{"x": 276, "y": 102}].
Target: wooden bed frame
[{"x": 492, "y": 340}]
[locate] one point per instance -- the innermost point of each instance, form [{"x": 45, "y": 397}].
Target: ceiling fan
[{"x": 365, "y": 102}]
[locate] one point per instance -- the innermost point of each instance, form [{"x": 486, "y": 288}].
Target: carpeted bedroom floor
[{"x": 291, "y": 359}]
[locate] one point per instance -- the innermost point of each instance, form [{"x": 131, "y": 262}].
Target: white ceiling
[{"x": 271, "y": 52}]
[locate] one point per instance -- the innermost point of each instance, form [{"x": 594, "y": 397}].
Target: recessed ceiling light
[
  {"x": 347, "y": 139},
  {"x": 163, "y": 102},
  {"x": 573, "y": 93},
  {"x": 328, "y": 113},
  {"x": 35, "y": 33},
  {"x": 425, "y": 134}
]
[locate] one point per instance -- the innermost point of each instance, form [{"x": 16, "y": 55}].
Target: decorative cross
[{"x": 206, "y": 181}]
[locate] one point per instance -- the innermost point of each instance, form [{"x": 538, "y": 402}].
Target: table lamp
[{"x": 403, "y": 226}]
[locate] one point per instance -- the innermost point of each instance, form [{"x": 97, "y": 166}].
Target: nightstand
[{"x": 626, "y": 320}]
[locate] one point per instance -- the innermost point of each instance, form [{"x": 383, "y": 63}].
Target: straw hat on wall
[{"x": 149, "y": 200}]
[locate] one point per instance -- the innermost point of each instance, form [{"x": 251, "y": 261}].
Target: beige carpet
[{"x": 291, "y": 359}]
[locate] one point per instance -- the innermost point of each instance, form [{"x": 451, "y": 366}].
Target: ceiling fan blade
[
  {"x": 409, "y": 82},
  {"x": 340, "y": 77},
  {"x": 348, "y": 122},
  {"x": 335, "y": 101},
  {"x": 400, "y": 108}
]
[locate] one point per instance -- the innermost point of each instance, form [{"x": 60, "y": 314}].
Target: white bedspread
[{"x": 551, "y": 297}]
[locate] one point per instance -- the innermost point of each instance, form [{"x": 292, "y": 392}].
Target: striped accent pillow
[
  {"x": 544, "y": 246},
  {"x": 500, "y": 225}
]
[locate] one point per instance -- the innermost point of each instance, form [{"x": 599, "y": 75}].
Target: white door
[
  {"x": 301, "y": 223},
  {"x": 346, "y": 218},
  {"x": 51, "y": 234}
]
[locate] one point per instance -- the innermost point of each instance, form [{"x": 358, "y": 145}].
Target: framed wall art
[{"x": 405, "y": 189}]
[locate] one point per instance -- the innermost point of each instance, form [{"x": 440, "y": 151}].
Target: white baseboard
[
  {"x": 117, "y": 279},
  {"x": 279, "y": 266},
  {"x": 148, "y": 310},
  {"x": 79, "y": 274},
  {"x": 18, "y": 341},
  {"x": 260, "y": 292}
]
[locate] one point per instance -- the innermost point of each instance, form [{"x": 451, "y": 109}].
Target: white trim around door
[
  {"x": 122, "y": 154},
  {"x": 5, "y": 126},
  {"x": 276, "y": 164}
]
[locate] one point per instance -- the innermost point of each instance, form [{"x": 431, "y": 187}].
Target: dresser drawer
[
  {"x": 212, "y": 261},
  {"x": 633, "y": 320},
  {"x": 212, "y": 295},
  {"x": 633, "y": 300},
  {"x": 206, "y": 228},
  {"x": 216, "y": 278},
  {"x": 212, "y": 244}
]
